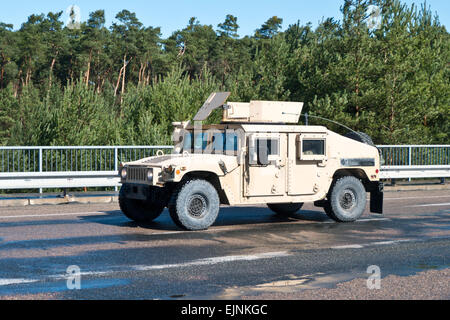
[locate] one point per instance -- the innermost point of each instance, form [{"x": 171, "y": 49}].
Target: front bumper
[{"x": 150, "y": 194}]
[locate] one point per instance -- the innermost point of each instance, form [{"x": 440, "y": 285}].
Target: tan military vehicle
[{"x": 257, "y": 155}]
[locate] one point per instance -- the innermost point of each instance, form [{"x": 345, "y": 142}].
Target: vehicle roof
[{"x": 262, "y": 127}]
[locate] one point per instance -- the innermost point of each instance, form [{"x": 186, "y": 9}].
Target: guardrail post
[
  {"x": 116, "y": 167},
  {"x": 409, "y": 159},
  {"x": 40, "y": 166}
]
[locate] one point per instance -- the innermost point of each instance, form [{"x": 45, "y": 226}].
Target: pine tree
[{"x": 269, "y": 28}]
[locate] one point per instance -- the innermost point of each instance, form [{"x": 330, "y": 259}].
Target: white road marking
[
  {"x": 87, "y": 273},
  {"x": 6, "y": 282},
  {"x": 348, "y": 246},
  {"x": 430, "y": 205},
  {"x": 215, "y": 260},
  {"x": 372, "y": 219},
  {"x": 200, "y": 262},
  {"x": 406, "y": 198},
  {"x": 54, "y": 214},
  {"x": 381, "y": 243},
  {"x": 377, "y": 243}
]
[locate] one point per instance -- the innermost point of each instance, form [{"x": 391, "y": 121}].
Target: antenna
[{"x": 306, "y": 115}]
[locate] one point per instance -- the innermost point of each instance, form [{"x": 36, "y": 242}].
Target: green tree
[
  {"x": 269, "y": 28},
  {"x": 93, "y": 40},
  {"x": 8, "y": 68},
  {"x": 193, "y": 46},
  {"x": 31, "y": 49},
  {"x": 125, "y": 44},
  {"x": 226, "y": 54},
  {"x": 8, "y": 111},
  {"x": 229, "y": 27},
  {"x": 124, "y": 84}
]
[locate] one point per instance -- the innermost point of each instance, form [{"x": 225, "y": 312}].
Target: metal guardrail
[
  {"x": 65, "y": 159},
  {"x": 97, "y": 166},
  {"x": 67, "y": 167},
  {"x": 415, "y": 161},
  {"x": 415, "y": 155}
]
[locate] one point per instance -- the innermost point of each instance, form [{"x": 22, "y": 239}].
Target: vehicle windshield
[{"x": 210, "y": 142}]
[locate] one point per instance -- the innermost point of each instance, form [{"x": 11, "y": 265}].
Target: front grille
[{"x": 137, "y": 174}]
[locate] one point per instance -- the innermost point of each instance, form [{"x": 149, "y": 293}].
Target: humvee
[{"x": 258, "y": 154}]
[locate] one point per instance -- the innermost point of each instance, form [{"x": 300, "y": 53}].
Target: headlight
[
  {"x": 169, "y": 169},
  {"x": 150, "y": 175},
  {"x": 123, "y": 173}
]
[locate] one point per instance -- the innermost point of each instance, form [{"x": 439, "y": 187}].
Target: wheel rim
[
  {"x": 347, "y": 199},
  {"x": 197, "y": 206}
]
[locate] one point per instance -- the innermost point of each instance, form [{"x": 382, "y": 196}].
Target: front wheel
[
  {"x": 138, "y": 210},
  {"x": 347, "y": 200},
  {"x": 194, "y": 205}
]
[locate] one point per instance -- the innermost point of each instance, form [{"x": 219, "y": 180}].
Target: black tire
[
  {"x": 361, "y": 137},
  {"x": 285, "y": 209},
  {"x": 138, "y": 210},
  {"x": 194, "y": 205},
  {"x": 347, "y": 200}
]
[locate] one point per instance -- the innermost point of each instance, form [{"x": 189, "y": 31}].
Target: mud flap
[
  {"x": 320, "y": 203},
  {"x": 376, "y": 200}
]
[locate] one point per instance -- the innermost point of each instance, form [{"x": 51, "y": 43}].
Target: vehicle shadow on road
[
  {"x": 258, "y": 226},
  {"x": 228, "y": 216},
  {"x": 371, "y": 227}
]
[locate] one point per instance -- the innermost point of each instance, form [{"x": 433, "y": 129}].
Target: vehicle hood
[{"x": 192, "y": 162}]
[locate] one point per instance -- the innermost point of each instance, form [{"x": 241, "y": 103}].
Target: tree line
[{"x": 125, "y": 84}]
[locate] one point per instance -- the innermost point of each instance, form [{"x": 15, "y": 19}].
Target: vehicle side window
[
  {"x": 200, "y": 141},
  {"x": 218, "y": 142},
  {"x": 187, "y": 142},
  {"x": 313, "y": 147},
  {"x": 266, "y": 148},
  {"x": 231, "y": 142}
]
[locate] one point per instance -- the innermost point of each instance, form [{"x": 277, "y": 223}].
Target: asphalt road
[{"x": 249, "y": 253}]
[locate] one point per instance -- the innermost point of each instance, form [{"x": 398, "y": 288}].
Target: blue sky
[{"x": 171, "y": 15}]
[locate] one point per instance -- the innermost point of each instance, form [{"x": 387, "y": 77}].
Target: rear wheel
[
  {"x": 285, "y": 209},
  {"x": 347, "y": 200},
  {"x": 194, "y": 205},
  {"x": 138, "y": 210}
]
